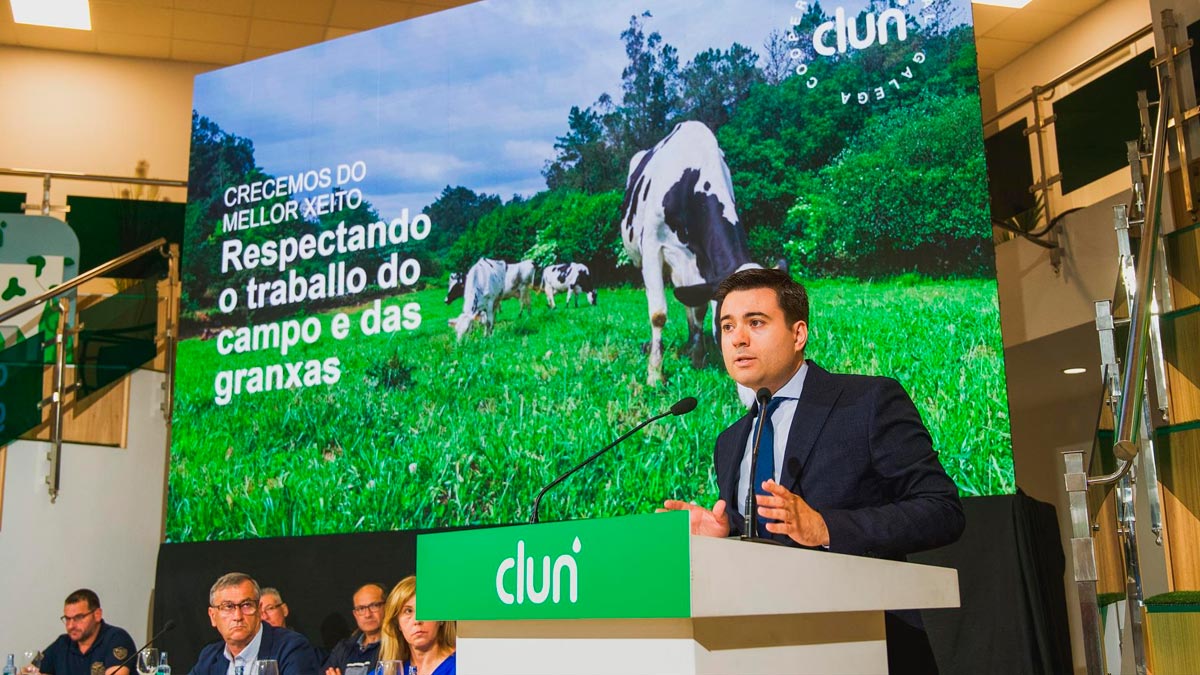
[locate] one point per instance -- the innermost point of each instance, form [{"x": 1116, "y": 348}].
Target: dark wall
[{"x": 316, "y": 575}]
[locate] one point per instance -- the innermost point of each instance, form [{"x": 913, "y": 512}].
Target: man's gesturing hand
[
  {"x": 795, "y": 517},
  {"x": 714, "y": 523}
]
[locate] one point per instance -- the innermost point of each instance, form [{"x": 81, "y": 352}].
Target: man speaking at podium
[{"x": 844, "y": 462}]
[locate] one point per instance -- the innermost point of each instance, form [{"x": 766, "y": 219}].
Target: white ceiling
[
  {"x": 221, "y": 32},
  {"x": 1002, "y": 34},
  {"x": 225, "y": 32}
]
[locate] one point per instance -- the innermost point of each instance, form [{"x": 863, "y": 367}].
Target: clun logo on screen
[
  {"x": 846, "y": 32},
  {"x": 523, "y": 570}
]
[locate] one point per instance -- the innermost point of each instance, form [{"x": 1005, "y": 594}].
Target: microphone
[
  {"x": 169, "y": 625},
  {"x": 750, "y": 531},
  {"x": 682, "y": 407}
]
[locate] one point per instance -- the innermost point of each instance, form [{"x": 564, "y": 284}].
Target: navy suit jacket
[
  {"x": 859, "y": 454},
  {"x": 291, "y": 649}
]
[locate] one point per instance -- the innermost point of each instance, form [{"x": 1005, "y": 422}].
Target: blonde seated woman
[{"x": 424, "y": 647}]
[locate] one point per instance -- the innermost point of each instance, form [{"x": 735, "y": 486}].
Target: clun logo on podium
[{"x": 524, "y": 569}]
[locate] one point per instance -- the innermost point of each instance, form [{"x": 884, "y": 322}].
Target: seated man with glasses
[
  {"x": 272, "y": 608},
  {"x": 358, "y": 654},
  {"x": 245, "y": 638},
  {"x": 90, "y": 646}
]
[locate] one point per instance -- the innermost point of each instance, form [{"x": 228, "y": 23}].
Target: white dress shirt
[{"x": 781, "y": 423}]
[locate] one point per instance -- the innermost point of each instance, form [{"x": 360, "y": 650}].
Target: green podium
[{"x": 640, "y": 594}]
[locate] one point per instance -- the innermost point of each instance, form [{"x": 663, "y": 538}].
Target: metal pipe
[
  {"x": 1083, "y": 561},
  {"x": 95, "y": 177},
  {"x": 1119, "y": 46},
  {"x": 60, "y": 380},
  {"x": 1134, "y": 382},
  {"x": 87, "y": 276},
  {"x": 1127, "y": 532}
]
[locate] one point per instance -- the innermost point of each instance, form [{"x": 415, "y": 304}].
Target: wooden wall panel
[
  {"x": 103, "y": 420},
  {"x": 1183, "y": 265},
  {"x": 1181, "y": 348},
  {"x": 1110, "y": 564},
  {"x": 1179, "y": 476}
]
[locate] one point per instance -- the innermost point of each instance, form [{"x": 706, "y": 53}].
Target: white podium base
[{"x": 834, "y": 643}]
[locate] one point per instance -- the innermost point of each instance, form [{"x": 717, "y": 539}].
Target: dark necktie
[{"x": 765, "y": 468}]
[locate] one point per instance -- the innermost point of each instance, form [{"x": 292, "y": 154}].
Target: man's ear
[
  {"x": 285, "y": 610},
  {"x": 800, "y": 330}
]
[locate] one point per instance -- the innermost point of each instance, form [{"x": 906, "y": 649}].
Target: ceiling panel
[
  {"x": 140, "y": 46},
  {"x": 56, "y": 38},
  {"x": 235, "y": 7},
  {"x": 252, "y": 52},
  {"x": 362, "y": 14},
  {"x": 284, "y": 34},
  {"x": 309, "y": 11},
  {"x": 985, "y": 17},
  {"x": 127, "y": 19},
  {"x": 206, "y": 52},
  {"x": 994, "y": 53},
  {"x": 1030, "y": 25},
  {"x": 206, "y": 27}
]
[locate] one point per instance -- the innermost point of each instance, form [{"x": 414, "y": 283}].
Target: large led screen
[{"x": 408, "y": 302}]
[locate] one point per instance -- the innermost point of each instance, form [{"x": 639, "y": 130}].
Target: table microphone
[
  {"x": 682, "y": 407},
  {"x": 750, "y": 531},
  {"x": 169, "y": 625}
]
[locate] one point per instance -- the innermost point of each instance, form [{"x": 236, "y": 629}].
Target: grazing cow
[
  {"x": 454, "y": 290},
  {"x": 518, "y": 283},
  {"x": 482, "y": 289},
  {"x": 679, "y": 215},
  {"x": 574, "y": 278}
]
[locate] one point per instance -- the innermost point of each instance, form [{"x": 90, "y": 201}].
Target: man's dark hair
[
  {"x": 790, "y": 294},
  {"x": 84, "y": 595}
]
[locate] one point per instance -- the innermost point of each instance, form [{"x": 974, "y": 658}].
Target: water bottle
[
  {"x": 164, "y": 668},
  {"x": 10, "y": 667}
]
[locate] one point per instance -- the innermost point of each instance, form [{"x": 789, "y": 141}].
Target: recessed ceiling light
[
  {"x": 54, "y": 13},
  {"x": 1074, "y": 371},
  {"x": 1014, "y": 4}
]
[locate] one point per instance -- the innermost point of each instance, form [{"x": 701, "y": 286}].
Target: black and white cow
[
  {"x": 518, "y": 283},
  {"x": 679, "y": 216},
  {"x": 482, "y": 288},
  {"x": 454, "y": 289},
  {"x": 574, "y": 278}
]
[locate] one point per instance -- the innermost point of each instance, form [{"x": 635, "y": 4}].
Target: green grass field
[{"x": 423, "y": 432}]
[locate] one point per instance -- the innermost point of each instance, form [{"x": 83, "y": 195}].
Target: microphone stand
[
  {"x": 169, "y": 625},
  {"x": 750, "y": 531},
  {"x": 682, "y": 407}
]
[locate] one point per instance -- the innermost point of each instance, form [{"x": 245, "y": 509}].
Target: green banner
[{"x": 629, "y": 567}]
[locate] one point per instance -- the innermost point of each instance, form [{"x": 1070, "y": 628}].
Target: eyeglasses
[
  {"x": 272, "y": 608},
  {"x": 78, "y": 617},
  {"x": 372, "y": 607},
  {"x": 247, "y": 607}
]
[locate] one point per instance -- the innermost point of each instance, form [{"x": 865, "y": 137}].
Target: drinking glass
[
  {"x": 265, "y": 667},
  {"x": 390, "y": 668},
  {"x": 33, "y": 661},
  {"x": 147, "y": 661}
]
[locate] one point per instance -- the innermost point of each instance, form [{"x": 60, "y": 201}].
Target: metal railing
[
  {"x": 46, "y": 207},
  {"x": 1145, "y": 282},
  {"x": 59, "y": 295}
]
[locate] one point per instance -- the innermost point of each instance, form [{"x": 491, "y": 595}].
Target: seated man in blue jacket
[{"x": 233, "y": 610}]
